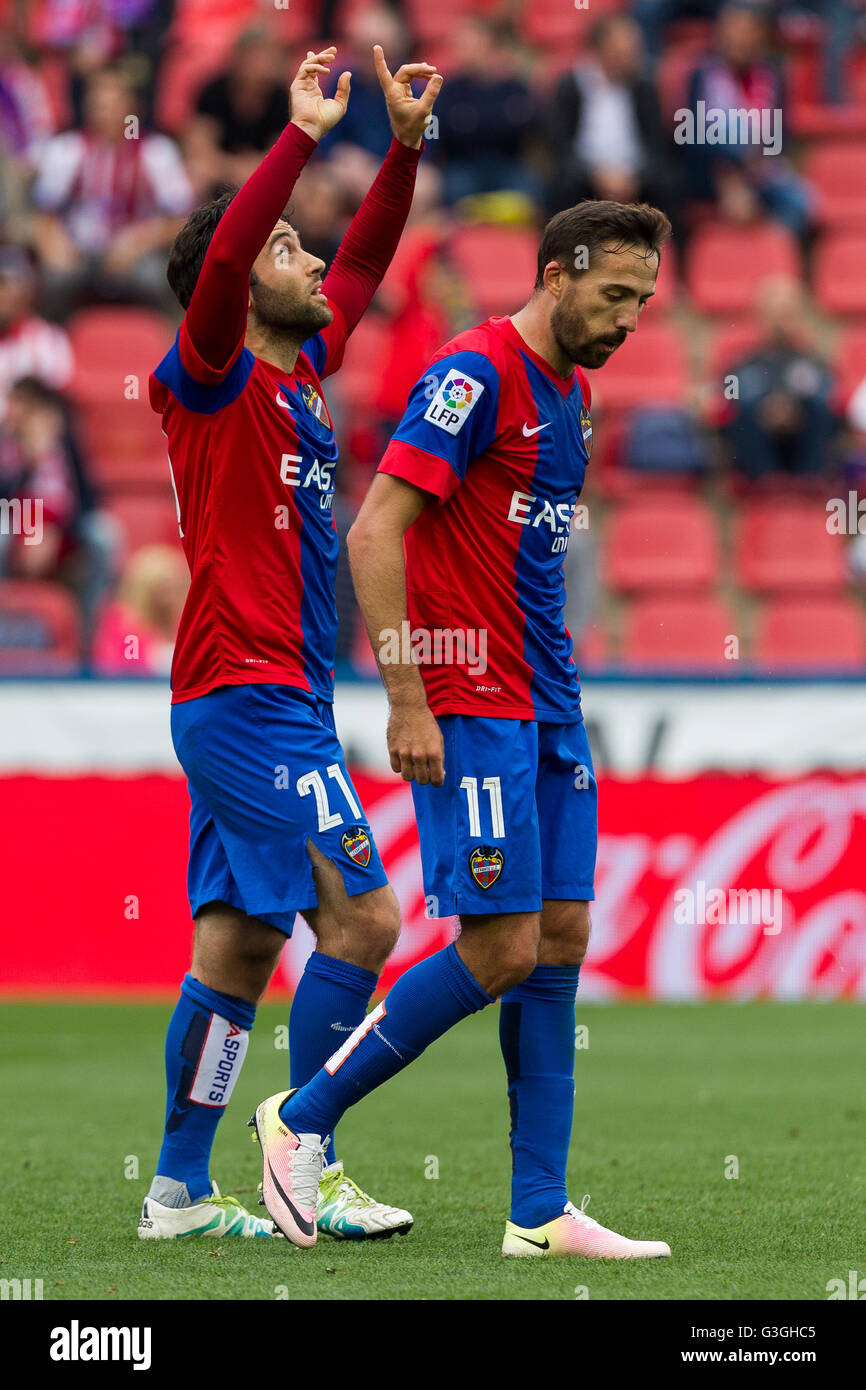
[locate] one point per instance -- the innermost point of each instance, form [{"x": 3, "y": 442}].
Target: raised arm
[
  {"x": 368, "y": 247},
  {"x": 217, "y": 315}
]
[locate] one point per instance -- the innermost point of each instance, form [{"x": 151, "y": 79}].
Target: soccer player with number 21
[{"x": 275, "y": 824}]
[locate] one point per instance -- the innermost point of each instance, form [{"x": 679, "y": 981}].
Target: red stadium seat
[
  {"x": 498, "y": 265},
  {"x": 357, "y": 381},
  {"x": 810, "y": 634},
  {"x": 593, "y": 648},
  {"x": 197, "y": 20},
  {"x": 838, "y": 278},
  {"x": 552, "y": 24},
  {"x": 437, "y": 22},
  {"x": 785, "y": 546},
  {"x": 110, "y": 344},
  {"x": 40, "y": 629},
  {"x": 665, "y": 542},
  {"x": 809, "y": 117},
  {"x": 667, "y": 284},
  {"x": 147, "y": 519},
  {"x": 115, "y": 351},
  {"x": 649, "y": 369},
  {"x": 726, "y": 264},
  {"x": 837, "y": 170},
  {"x": 679, "y": 633}
]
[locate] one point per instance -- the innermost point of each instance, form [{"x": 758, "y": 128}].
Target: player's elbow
[
  {"x": 356, "y": 539},
  {"x": 362, "y": 539}
]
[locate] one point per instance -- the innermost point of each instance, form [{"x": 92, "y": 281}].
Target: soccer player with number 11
[{"x": 464, "y": 531}]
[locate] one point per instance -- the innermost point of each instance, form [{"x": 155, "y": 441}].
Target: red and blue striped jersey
[
  {"x": 252, "y": 453},
  {"x": 502, "y": 443}
]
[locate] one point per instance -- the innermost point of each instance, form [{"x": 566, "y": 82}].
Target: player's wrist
[
  {"x": 310, "y": 129},
  {"x": 403, "y": 143},
  {"x": 409, "y": 697}
]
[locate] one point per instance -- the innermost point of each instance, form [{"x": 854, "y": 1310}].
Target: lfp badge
[
  {"x": 485, "y": 865},
  {"x": 586, "y": 429},
  {"x": 356, "y": 843}
]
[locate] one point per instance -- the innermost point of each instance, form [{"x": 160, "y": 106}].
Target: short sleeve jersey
[{"x": 502, "y": 443}]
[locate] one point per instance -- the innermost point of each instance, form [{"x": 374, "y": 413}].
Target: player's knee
[
  {"x": 565, "y": 930},
  {"x": 381, "y": 930},
  {"x": 369, "y": 931},
  {"x": 511, "y": 968}
]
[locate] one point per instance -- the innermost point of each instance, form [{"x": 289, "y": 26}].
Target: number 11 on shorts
[{"x": 493, "y": 787}]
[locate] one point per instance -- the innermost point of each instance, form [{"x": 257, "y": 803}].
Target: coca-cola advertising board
[{"x": 708, "y": 886}]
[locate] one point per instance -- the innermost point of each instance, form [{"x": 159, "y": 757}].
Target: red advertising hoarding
[{"x": 710, "y": 886}]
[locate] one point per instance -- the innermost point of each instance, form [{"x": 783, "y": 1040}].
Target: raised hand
[
  {"x": 408, "y": 113},
  {"x": 313, "y": 112}
]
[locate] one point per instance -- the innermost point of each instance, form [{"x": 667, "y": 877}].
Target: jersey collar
[{"x": 505, "y": 328}]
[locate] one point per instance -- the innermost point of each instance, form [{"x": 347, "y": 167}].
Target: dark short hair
[
  {"x": 599, "y": 225},
  {"x": 189, "y": 247}
]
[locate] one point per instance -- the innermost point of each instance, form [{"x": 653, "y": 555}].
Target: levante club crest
[
  {"x": 356, "y": 843},
  {"x": 316, "y": 404},
  {"x": 586, "y": 429},
  {"x": 486, "y": 865}
]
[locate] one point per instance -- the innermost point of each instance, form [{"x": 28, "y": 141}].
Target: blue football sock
[
  {"x": 329, "y": 1003},
  {"x": 423, "y": 1004},
  {"x": 204, "y": 1051},
  {"x": 536, "y": 1033}
]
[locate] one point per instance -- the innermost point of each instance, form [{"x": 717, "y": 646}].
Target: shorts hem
[
  {"x": 497, "y": 908},
  {"x": 567, "y": 892},
  {"x": 261, "y": 913}
]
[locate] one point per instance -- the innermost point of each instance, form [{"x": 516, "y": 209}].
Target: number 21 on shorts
[{"x": 314, "y": 782}]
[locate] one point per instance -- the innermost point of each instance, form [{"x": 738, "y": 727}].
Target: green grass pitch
[{"x": 667, "y": 1098}]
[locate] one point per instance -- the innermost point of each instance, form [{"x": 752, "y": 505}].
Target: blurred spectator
[
  {"x": 486, "y": 116},
  {"x": 739, "y": 75},
  {"x": 318, "y": 211},
  {"x": 110, "y": 199},
  {"x": 654, "y": 15},
  {"x": 42, "y": 467},
  {"x": 840, "y": 20},
  {"x": 239, "y": 115},
  {"x": 137, "y": 631},
  {"x": 35, "y": 471},
  {"x": 26, "y": 122},
  {"x": 29, "y": 346},
  {"x": 365, "y": 125},
  {"x": 781, "y": 421},
  {"x": 91, "y": 33},
  {"x": 606, "y": 129},
  {"x": 25, "y": 104}
]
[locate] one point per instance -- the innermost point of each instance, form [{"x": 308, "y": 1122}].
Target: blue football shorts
[
  {"x": 516, "y": 820},
  {"x": 266, "y": 773}
]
